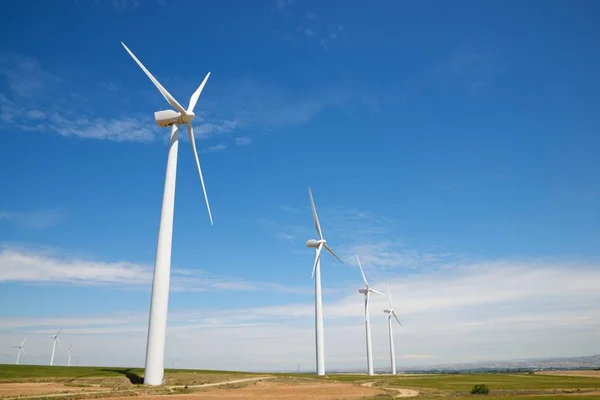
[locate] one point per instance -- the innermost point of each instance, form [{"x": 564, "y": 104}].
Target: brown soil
[
  {"x": 289, "y": 389},
  {"x": 33, "y": 389},
  {"x": 589, "y": 374}
]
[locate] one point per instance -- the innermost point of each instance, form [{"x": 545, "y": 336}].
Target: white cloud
[
  {"x": 217, "y": 147},
  {"x": 308, "y": 32},
  {"x": 243, "y": 141},
  {"x": 34, "y": 266},
  {"x": 486, "y": 310},
  {"x": 33, "y": 220},
  {"x": 24, "y": 75}
]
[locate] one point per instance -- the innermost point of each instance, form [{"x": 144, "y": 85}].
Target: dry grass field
[{"x": 77, "y": 383}]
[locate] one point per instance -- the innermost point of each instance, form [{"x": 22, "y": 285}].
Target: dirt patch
[
  {"x": 588, "y": 374},
  {"x": 288, "y": 389},
  {"x": 33, "y": 389},
  {"x": 399, "y": 392}
]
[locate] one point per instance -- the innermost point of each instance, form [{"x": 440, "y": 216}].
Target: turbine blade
[
  {"x": 191, "y": 135},
  {"x": 23, "y": 342},
  {"x": 395, "y": 316},
  {"x": 317, "y": 255},
  {"x": 196, "y": 95},
  {"x": 23, "y": 350},
  {"x": 315, "y": 216},
  {"x": 362, "y": 272},
  {"x": 376, "y": 291},
  {"x": 58, "y": 333},
  {"x": 170, "y": 99},
  {"x": 332, "y": 253},
  {"x": 58, "y": 340}
]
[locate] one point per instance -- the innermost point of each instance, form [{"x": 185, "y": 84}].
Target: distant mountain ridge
[
  {"x": 584, "y": 362},
  {"x": 564, "y": 363}
]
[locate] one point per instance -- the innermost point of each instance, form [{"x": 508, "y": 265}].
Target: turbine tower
[
  {"x": 21, "y": 349},
  {"x": 367, "y": 291},
  {"x": 157, "y": 325},
  {"x": 390, "y": 311},
  {"x": 56, "y": 339},
  {"x": 70, "y": 352},
  {"x": 316, "y": 273}
]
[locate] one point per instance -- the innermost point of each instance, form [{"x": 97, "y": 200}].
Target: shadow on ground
[{"x": 134, "y": 378}]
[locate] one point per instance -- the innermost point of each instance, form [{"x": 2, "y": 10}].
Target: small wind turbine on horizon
[
  {"x": 56, "y": 339},
  {"x": 21, "y": 349},
  {"x": 70, "y": 352},
  {"x": 367, "y": 291},
  {"x": 316, "y": 273},
  {"x": 390, "y": 311},
  {"x": 157, "y": 325}
]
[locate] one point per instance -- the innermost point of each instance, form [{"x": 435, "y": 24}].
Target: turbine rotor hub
[{"x": 188, "y": 116}]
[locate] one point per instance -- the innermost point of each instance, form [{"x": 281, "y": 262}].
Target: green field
[
  {"x": 12, "y": 372},
  {"x": 465, "y": 382}
]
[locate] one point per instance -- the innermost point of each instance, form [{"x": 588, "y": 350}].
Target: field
[{"x": 75, "y": 383}]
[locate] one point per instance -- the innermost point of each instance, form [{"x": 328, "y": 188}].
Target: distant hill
[
  {"x": 585, "y": 362},
  {"x": 558, "y": 363}
]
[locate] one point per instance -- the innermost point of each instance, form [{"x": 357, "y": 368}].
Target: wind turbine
[
  {"x": 390, "y": 311},
  {"x": 56, "y": 339},
  {"x": 21, "y": 349},
  {"x": 157, "y": 326},
  {"x": 70, "y": 351},
  {"x": 367, "y": 291},
  {"x": 316, "y": 273}
]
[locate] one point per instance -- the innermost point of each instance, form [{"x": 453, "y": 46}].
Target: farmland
[{"x": 70, "y": 383}]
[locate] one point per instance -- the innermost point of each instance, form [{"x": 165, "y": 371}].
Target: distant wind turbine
[
  {"x": 318, "y": 246},
  {"x": 366, "y": 291},
  {"x": 70, "y": 351},
  {"x": 390, "y": 311},
  {"x": 56, "y": 339},
  {"x": 21, "y": 349}
]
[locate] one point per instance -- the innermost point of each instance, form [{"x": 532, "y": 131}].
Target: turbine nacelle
[
  {"x": 314, "y": 243},
  {"x": 388, "y": 310},
  {"x": 363, "y": 291},
  {"x": 166, "y": 118}
]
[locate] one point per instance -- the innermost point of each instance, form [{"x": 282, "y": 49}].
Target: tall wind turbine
[
  {"x": 157, "y": 326},
  {"x": 21, "y": 349},
  {"x": 318, "y": 245},
  {"x": 70, "y": 352},
  {"x": 390, "y": 311},
  {"x": 367, "y": 291},
  {"x": 56, "y": 339}
]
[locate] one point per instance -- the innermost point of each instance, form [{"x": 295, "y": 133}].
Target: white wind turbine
[
  {"x": 316, "y": 273},
  {"x": 70, "y": 352},
  {"x": 390, "y": 311},
  {"x": 155, "y": 350},
  {"x": 56, "y": 339},
  {"x": 367, "y": 291},
  {"x": 21, "y": 349}
]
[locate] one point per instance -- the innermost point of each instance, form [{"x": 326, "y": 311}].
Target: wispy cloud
[
  {"x": 479, "y": 310},
  {"x": 309, "y": 25},
  {"x": 40, "y": 219},
  {"x": 283, "y": 7},
  {"x": 37, "y": 266},
  {"x": 29, "y": 84},
  {"x": 243, "y": 141},
  {"x": 217, "y": 147},
  {"x": 25, "y": 77},
  {"x": 471, "y": 66}
]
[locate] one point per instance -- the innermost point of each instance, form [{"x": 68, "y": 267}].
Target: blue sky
[{"x": 453, "y": 147}]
